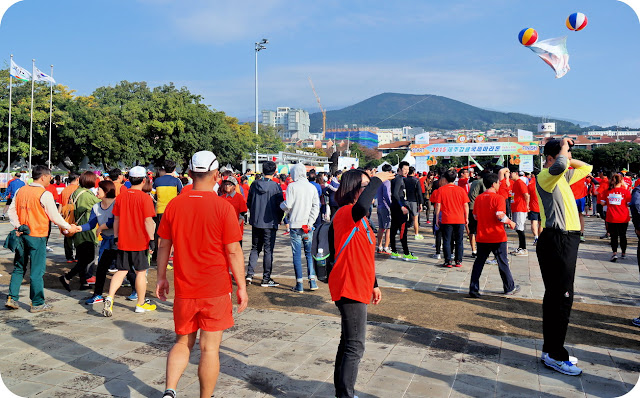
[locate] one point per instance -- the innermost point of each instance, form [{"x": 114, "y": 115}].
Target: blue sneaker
[
  {"x": 298, "y": 287},
  {"x": 95, "y": 299},
  {"x": 313, "y": 285},
  {"x": 565, "y": 367},
  {"x": 133, "y": 296}
]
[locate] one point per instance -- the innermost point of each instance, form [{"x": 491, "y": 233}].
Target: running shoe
[
  {"x": 458, "y": 264},
  {"x": 396, "y": 256},
  {"x": 298, "y": 288},
  {"x": 41, "y": 308},
  {"x": 513, "y": 291},
  {"x": 112, "y": 270},
  {"x": 410, "y": 257},
  {"x": 474, "y": 254},
  {"x": 313, "y": 285},
  {"x": 269, "y": 283},
  {"x": 447, "y": 264},
  {"x": 49, "y": 250},
  {"x": 614, "y": 258},
  {"x": 133, "y": 296},
  {"x": 91, "y": 281},
  {"x": 564, "y": 367},
  {"x": 605, "y": 236},
  {"x": 636, "y": 321},
  {"x": 623, "y": 256},
  {"x": 437, "y": 256},
  {"x": 573, "y": 360},
  {"x": 429, "y": 222},
  {"x": 474, "y": 294},
  {"x": 491, "y": 262},
  {"x": 418, "y": 237},
  {"x": 108, "y": 307},
  {"x": 169, "y": 393},
  {"x": 69, "y": 261},
  {"x": 521, "y": 252},
  {"x": 582, "y": 239},
  {"x": 125, "y": 283},
  {"x": 64, "y": 283},
  {"x": 11, "y": 303},
  {"x": 169, "y": 266},
  {"x": 387, "y": 251},
  {"x": 535, "y": 240},
  {"x": 94, "y": 299},
  {"x": 146, "y": 307},
  {"x": 286, "y": 233},
  {"x": 248, "y": 278},
  {"x": 380, "y": 251}
]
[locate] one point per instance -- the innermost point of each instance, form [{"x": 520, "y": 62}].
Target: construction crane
[{"x": 324, "y": 113}]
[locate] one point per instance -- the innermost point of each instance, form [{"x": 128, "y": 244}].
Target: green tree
[
  {"x": 616, "y": 155},
  {"x": 582, "y": 154},
  {"x": 395, "y": 156}
]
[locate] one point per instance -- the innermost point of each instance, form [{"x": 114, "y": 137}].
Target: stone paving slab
[{"x": 73, "y": 351}]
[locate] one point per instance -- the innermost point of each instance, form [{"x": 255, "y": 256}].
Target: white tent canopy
[{"x": 409, "y": 159}]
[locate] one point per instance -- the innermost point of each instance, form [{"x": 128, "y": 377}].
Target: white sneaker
[
  {"x": 436, "y": 256},
  {"x": 573, "y": 360},
  {"x": 418, "y": 237},
  {"x": 564, "y": 367},
  {"x": 520, "y": 252},
  {"x": 491, "y": 262},
  {"x": 49, "y": 249}
]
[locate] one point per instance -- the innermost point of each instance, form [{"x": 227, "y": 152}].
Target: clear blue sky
[{"x": 465, "y": 50}]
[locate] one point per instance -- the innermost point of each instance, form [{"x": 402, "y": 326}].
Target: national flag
[
  {"x": 554, "y": 53},
  {"x": 39, "y": 76},
  {"x": 19, "y": 72}
]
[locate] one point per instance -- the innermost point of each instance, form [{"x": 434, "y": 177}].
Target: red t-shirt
[
  {"x": 464, "y": 184},
  {"x": 133, "y": 207},
  {"x": 239, "y": 204},
  {"x": 579, "y": 188},
  {"x": 534, "y": 205},
  {"x": 519, "y": 203},
  {"x": 490, "y": 229},
  {"x": 602, "y": 191},
  {"x": 353, "y": 275},
  {"x": 505, "y": 191},
  {"x": 452, "y": 199},
  {"x": 627, "y": 180},
  {"x": 200, "y": 224},
  {"x": 186, "y": 189},
  {"x": 617, "y": 202},
  {"x": 52, "y": 188},
  {"x": 422, "y": 180},
  {"x": 434, "y": 196}
]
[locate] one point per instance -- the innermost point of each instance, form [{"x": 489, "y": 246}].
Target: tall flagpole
[
  {"x": 33, "y": 80},
  {"x": 50, "y": 116},
  {"x": 9, "y": 135}
]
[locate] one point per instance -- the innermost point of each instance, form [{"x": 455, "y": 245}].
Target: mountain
[{"x": 431, "y": 112}]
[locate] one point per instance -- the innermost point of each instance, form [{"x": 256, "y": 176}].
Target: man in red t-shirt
[
  {"x": 133, "y": 229},
  {"x": 453, "y": 203},
  {"x": 463, "y": 180},
  {"x": 489, "y": 210},
  {"x": 201, "y": 272},
  {"x": 519, "y": 209},
  {"x": 534, "y": 210},
  {"x": 579, "y": 189},
  {"x": 505, "y": 188}
]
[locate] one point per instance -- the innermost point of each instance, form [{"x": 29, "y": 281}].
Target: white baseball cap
[
  {"x": 203, "y": 161},
  {"x": 138, "y": 172}
]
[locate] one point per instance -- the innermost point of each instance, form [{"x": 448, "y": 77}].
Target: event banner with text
[{"x": 477, "y": 149}]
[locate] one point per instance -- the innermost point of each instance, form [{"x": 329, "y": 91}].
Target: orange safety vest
[{"x": 31, "y": 212}]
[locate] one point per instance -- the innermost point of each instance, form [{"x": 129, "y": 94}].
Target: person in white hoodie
[{"x": 303, "y": 206}]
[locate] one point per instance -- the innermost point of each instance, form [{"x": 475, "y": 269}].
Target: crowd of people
[{"x": 125, "y": 223}]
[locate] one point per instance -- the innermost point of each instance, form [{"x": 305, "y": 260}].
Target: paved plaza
[{"x": 73, "y": 351}]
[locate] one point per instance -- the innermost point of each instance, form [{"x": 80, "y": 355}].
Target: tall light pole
[{"x": 261, "y": 45}]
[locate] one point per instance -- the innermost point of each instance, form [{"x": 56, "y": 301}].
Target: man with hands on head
[
  {"x": 30, "y": 213},
  {"x": 558, "y": 249},
  {"x": 204, "y": 232}
]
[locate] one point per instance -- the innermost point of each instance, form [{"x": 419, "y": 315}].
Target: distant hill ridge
[{"x": 432, "y": 112}]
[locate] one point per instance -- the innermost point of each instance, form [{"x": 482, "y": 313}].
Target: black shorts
[
  {"x": 534, "y": 216},
  {"x": 473, "y": 223},
  {"x": 134, "y": 261},
  {"x": 9, "y": 200}
]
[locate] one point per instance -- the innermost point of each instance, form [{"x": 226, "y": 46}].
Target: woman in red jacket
[{"x": 352, "y": 281}]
